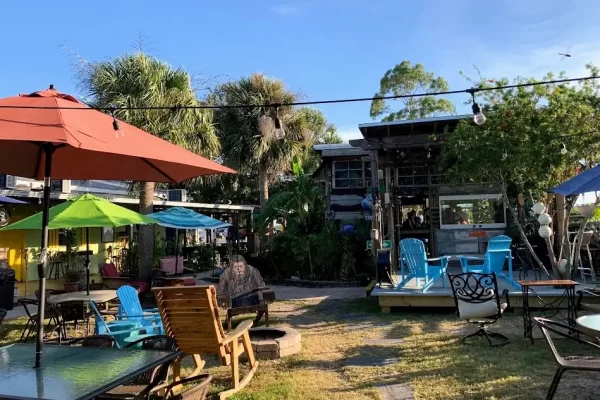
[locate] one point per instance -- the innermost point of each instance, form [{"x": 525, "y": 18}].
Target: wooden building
[{"x": 398, "y": 163}]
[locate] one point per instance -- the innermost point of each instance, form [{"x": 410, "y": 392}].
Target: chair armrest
[
  {"x": 268, "y": 294},
  {"x": 580, "y": 298},
  {"x": 239, "y": 331},
  {"x": 224, "y": 301},
  {"x": 439, "y": 258}
]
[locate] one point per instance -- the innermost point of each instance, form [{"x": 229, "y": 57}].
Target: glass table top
[
  {"x": 71, "y": 372},
  {"x": 590, "y": 323}
]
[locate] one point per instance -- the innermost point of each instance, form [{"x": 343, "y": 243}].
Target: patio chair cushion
[
  {"x": 142, "y": 286},
  {"x": 167, "y": 265},
  {"x": 109, "y": 270},
  {"x": 487, "y": 309}
]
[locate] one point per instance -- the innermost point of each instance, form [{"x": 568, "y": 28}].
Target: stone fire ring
[{"x": 273, "y": 343}]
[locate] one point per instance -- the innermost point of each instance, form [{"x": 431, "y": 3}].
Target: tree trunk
[
  {"x": 263, "y": 188},
  {"x": 146, "y": 232}
]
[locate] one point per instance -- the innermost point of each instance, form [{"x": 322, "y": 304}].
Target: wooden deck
[{"x": 438, "y": 297}]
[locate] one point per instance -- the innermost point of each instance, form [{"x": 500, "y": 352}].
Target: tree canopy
[
  {"x": 534, "y": 138},
  {"x": 406, "y": 79}
]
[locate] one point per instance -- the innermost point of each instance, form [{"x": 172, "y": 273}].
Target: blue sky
[{"x": 324, "y": 49}]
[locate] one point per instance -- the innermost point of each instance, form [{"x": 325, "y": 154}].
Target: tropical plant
[
  {"x": 248, "y": 135},
  {"x": 140, "y": 80},
  {"x": 403, "y": 80}
]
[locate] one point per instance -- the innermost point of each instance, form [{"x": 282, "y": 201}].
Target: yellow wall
[{"x": 18, "y": 241}]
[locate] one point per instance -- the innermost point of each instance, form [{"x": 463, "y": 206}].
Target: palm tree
[
  {"x": 248, "y": 134},
  {"x": 139, "y": 80}
]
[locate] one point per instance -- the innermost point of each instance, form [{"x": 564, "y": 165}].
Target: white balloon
[
  {"x": 545, "y": 231},
  {"x": 538, "y": 208},
  {"x": 545, "y": 219},
  {"x": 562, "y": 266}
]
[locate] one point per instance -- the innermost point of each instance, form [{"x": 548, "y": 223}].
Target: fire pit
[{"x": 273, "y": 343}]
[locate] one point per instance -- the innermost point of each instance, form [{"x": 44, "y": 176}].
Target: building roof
[
  {"x": 130, "y": 200},
  {"x": 410, "y": 126}
]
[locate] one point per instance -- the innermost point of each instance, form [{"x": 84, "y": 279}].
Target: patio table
[
  {"x": 77, "y": 373},
  {"x": 97, "y": 296},
  {"x": 590, "y": 324}
]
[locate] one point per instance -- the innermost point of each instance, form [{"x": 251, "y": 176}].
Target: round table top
[
  {"x": 97, "y": 296},
  {"x": 590, "y": 324}
]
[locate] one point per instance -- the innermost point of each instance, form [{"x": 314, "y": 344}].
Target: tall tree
[
  {"x": 406, "y": 79},
  {"x": 534, "y": 139},
  {"x": 248, "y": 134},
  {"x": 140, "y": 80}
]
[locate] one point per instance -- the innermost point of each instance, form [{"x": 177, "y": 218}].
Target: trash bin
[{"x": 7, "y": 286}]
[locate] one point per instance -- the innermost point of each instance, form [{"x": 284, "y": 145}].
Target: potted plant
[{"x": 72, "y": 278}]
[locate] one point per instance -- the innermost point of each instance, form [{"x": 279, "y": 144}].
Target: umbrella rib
[{"x": 159, "y": 170}]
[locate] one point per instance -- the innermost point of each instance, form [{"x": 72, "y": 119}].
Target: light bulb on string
[
  {"x": 478, "y": 116},
  {"x": 504, "y": 155},
  {"x": 279, "y": 132},
  {"x": 428, "y": 153},
  {"x": 563, "y": 149}
]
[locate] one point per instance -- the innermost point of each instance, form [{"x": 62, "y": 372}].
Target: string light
[
  {"x": 279, "y": 132},
  {"x": 471, "y": 91},
  {"x": 428, "y": 153},
  {"x": 478, "y": 116},
  {"x": 563, "y": 149}
]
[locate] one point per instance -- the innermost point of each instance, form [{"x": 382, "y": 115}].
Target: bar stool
[{"x": 585, "y": 246}]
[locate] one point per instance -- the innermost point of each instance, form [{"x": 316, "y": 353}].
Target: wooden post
[
  {"x": 390, "y": 217},
  {"x": 375, "y": 222}
]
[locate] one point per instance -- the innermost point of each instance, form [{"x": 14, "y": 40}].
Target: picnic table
[
  {"x": 97, "y": 296},
  {"x": 78, "y": 373}
]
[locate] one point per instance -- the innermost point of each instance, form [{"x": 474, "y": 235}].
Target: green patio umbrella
[{"x": 84, "y": 211}]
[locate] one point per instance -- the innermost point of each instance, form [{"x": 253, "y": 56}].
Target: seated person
[{"x": 239, "y": 282}]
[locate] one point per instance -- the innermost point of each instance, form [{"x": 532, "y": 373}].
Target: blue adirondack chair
[
  {"x": 120, "y": 330},
  {"x": 498, "y": 252},
  {"x": 131, "y": 310},
  {"x": 413, "y": 255}
]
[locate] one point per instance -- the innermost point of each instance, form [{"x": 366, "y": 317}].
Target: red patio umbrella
[{"x": 48, "y": 135}]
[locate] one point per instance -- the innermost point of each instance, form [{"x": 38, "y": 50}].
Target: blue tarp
[
  {"x": 8, "y": 200},
  {"x": 587, "y": 181},
  {"x": 184, "y": 218}
]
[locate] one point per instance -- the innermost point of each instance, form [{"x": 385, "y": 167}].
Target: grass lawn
[{"x": 350, "y": 349}]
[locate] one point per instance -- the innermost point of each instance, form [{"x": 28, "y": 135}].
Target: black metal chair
[
  {"x": 92, "y": 341},
  {"x": 150, "y": 381},
  {"x": 195, "y": 392},
  {"x": 593, "y": 307},
  {"x": 72, "y": 312},
  {"x": 478, "y": 302},
  {"x": 581, "y": 363},
  {"x": 50, "y": 314}
]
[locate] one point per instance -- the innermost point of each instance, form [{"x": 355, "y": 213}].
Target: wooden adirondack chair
[
  {"x": 498, "y": 253},
  {"x": 413, "y": 255},
  {"x": 191, "y": 316}
]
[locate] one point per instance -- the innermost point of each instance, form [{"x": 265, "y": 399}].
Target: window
[
  {"x": 472, "y": 211},
  {"x": 351, "y": 174}
]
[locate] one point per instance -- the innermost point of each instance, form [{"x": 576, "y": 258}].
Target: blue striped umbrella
[{"x": 184, "y": 218}]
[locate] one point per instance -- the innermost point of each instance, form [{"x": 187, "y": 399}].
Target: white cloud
[{"x": 285, "y": 9}]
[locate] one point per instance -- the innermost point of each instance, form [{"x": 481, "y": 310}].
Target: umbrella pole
[
  {"x": 176, "y": 249},
  {"x": 48, "y": 150},
  {"x": 87, "y": 259}
]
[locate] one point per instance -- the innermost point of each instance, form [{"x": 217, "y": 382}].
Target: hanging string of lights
[{"x": 175, "y": 107}]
